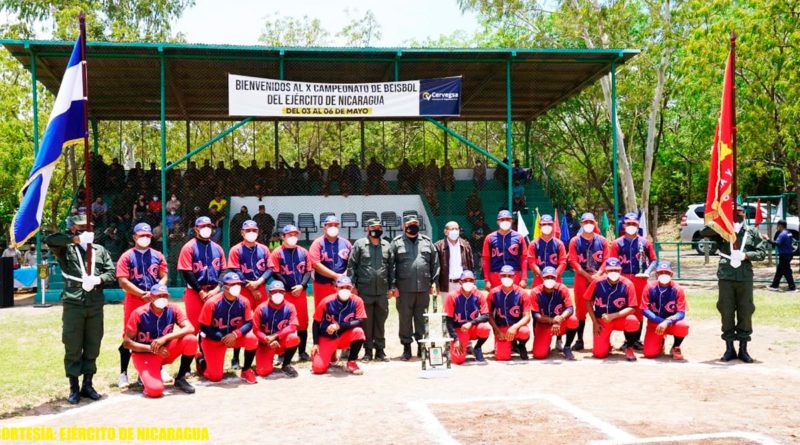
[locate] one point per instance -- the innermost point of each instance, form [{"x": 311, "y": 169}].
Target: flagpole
[
  {"x": 733, "y": 121},
  {"x": 87, "y": 184}
]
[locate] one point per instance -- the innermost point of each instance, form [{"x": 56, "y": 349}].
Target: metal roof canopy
[{"x": 125, "y": 82}]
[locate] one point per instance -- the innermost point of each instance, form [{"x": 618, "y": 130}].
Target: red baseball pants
[
  {"x": 543, "y": 335},
  {"x": 481, "y": 330},
  {"x": 265, "y": 354},
  {"x": 602, "y": 343},
  {"x": 502, "y": 348},
  {"x": 148, "y": 365},
  {"x": 653, "y": 341},
  {"x": 214, "y": 353},
  {"x": 321, "y": 361}
]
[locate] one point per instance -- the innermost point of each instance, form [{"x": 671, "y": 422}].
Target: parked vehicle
[{"x": 692, "y": 223}]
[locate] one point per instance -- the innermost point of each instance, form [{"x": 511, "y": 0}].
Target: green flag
[{"x": 604, "y": 225}]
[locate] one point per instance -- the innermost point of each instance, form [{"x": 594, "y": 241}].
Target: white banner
[{"x": 255, "y": 96}]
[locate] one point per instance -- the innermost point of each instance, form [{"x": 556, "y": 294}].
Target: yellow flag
[{"x": 537, "y": 231}]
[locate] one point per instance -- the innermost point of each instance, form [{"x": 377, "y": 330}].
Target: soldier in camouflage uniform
[
  {"x": 82, "y": 301},
  {"x": 735, "y": 302}
]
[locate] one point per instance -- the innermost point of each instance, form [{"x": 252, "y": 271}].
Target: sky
[{"x": 241, "y": 21}]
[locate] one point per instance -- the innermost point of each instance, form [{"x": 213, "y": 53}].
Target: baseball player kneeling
[
  {"x": 151, "y": 336},
  {"x": 226, "y": 321},
  {"x": 509, "y": 314},
  {"x": 611, "y": 302},
  {"x": 554, "y": 315},
  {"x": 467, "y": 319},
  {"x": 664, "y": 306},
  {"x": 276, "y": 329},
  {"x": 337, "y": 325}
]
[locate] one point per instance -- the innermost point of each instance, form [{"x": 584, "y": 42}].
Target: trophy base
[{"x": 642, "y": 275}]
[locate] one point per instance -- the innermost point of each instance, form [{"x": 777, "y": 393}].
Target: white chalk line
[
  {"x": 752, "y": 437},
  {"x": 89, "y": 407}
]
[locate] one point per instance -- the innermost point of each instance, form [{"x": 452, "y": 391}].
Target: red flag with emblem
[
  {"x": 721, "y": 173},
  {"x": 759, "y": 215}
]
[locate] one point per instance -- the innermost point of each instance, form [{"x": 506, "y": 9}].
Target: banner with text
[{"x": 255, "y": 96}]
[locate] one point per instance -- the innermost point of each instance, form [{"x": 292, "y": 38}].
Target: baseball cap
[
  {"x": 231, "y": 278},
  {"x": 467, "y": 275},
  {"x": 202, "y": 221},
  {"x": 664, "y": 266},
  {"x": 588, "y": 217},
  {"x": 373, "y": 222},
  {"x": 344, "y": 280},
  {"x": 507, "y": 270},
  {"x": 331, "y": 219},
  {"x": 289, "y": 228},
  {"x": 546, "y": 220},
  {"x": 143, "y": 229},
  {"x": 631, "y": 218},
  {"x": 276, "y": 285},
  {"x": 159, "y": 289},
  {"x": 549, "y": 271},
  {"x": 410, "y": 219},
  {"x": 504, "y": 214},
  {"x": 613, "y": 264},
  {"x": 249, "y": 224}
]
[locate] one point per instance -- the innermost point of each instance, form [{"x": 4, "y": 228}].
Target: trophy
[
  {"x": 644, "y": 262},
  {"x": 435, "y": 347}
]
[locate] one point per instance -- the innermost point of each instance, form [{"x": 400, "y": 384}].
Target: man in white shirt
[
  {"x": 12, "y": 252},
  {"x": 30, "y": 256},
  {"x": 455, "y": 256}
]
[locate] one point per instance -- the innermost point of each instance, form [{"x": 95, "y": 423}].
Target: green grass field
[{"x": 32, "y": 373}]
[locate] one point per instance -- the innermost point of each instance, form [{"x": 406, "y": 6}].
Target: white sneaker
[
  {"x": 773, "y": 289},
  {"x": 165, "y": 377},
  {"x": 559, "y": 345},
  {"x": 123, "y": 380}
]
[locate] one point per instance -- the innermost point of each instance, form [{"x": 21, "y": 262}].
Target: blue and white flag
[{"x": 65, "y": 127}]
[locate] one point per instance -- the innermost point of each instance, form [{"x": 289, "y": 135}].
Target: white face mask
[
  {"x": 737, "y": 226},
  {"x": 549, "y": 283},
  {"x": 453, "y": 234},
  {"x": 344, "y": 294},
  {"x": 206, "y": 232},
  {"x": 160, "y": 303},
  {"x": 332, "y": 231},
  {"x": 291, "y": 241},
  {"x": 251, "y": 237},
  {"x": 507, "y": 281},
  {"x": 143, "y": 242},
  {"x": 235, "y": 290},
  {"x": 613, "y": 276},
  {"x": 505, "y": 225},
  {"x": 588, "y": 228},
  {"x": 664, "y": 278},
  {"x": 546, "y": 230},
  {"x": 631, "y": 230},
  {"x": 276, "y": 298},
  {"x": 468, "y": 286}
]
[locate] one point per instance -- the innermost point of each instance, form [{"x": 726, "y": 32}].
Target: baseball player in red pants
[
  {"x": 587, "y": 252},
  {"x": 630, "y": 248},
  {"x": 664, "y": 306},
  {"x": 138, "y": 269},
  {"x": 290, "y": 264},
  {"x": 328, "y": 256},
  {"x": 509, "y": 315},
  {"x": 467, "y": 319},
  {"x": 251, "y": 259},
  {"x": 276, "y": 328},
  {"x": 201, "y": 261},
  {"x": 152, "y": 336},
  {"x": 554, "y": 314},
  {"x": 337, "y": 325},
  {"x": 504, "y": 247},
  {"x": 547, "y": 250},
  {"x": 226, "y": 321},
  {"x": 610, "y": 300}
]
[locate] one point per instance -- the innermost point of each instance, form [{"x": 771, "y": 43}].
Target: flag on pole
[
  {"x": 604, "y": 225},
  {"x": 556, "y": 224},
  {"x": 565, "y": 235},
  {"x": 720, "y": 194},
  {"x": 537, "y": 230},
  {"x": 521, "y": 227},
  {"x": 643, "y": 223},
  {"x": 65, "y": 127},
  {"x": 759, "y": 215}
]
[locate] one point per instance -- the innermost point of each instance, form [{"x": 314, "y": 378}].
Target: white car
[{"x": 692, "y": 223}]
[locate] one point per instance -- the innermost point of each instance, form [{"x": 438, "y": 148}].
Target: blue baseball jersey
[
  {"x": 290, "y": 264},
  {"x": 465, "y": 308},
  {"x": 610, "y": 298},
  {"x": 333, "y": 310},
  {"x": 271, "y": 319},
  {"x": 504, "y": 250},
  {"x": 552, "y": 304},
  {"x": 146, "y": 325},
  {"x": 221, "y": 317},
  {"x": 333, "y": 255},
  {"x": 507, "y": 309},
  {"x": 664, "y": 301},
  {"x": 141, "y": 267},
  {"x": 253, "y": 262},
  {"x": 627, "y": 250},
  {"x": 204, "y": 258}
]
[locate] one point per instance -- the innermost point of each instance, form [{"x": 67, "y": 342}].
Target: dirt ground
[{"x": 509, "y": 403}]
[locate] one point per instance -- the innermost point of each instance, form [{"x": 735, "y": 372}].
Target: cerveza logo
[{"x": 435, "y": 95}]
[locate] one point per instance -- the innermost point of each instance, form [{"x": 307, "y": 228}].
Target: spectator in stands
[
  {"x": 219, "y": 202},
  {"x": 139, "y": 212},
  {"x": 418, "y": 178},
  {"x": 298, "y": 179},
  {"x": 238, "y": 178},
  {"x": 258, "y": 191},
  {"x": 154, "y": 207},
  {"x": 375, "y": 173},
  {"x": 13, "y": 252},
  {"x": 99, "y": 211},
  {"x": 315, "y": 174},
  {"x": 449, "y": 178},
  {"x": 479, "y": 174},
  {"x": 116, "y": 176},
  {"x": 501, "y": 173},
  {"x": 136, "y": 175},
  {"x": 197, "y": 212},
  {"x": 30, "y": 256},
  {"x": 191, "y": 175},
  {"x": 282, "y": 175},
  {"x": 152, "y": 178},
  {"x": 266, "y": 224},
  {"x": 217, "y": 219},
  {"x": 405, "y": 178},
  {"x": 431, "y": 173},
  {"x": 236, "y": 225},
  {"x": 351, "y": 178},
  {"x": 275, "y": 241},
  {"x": 519, "y": 173},
  {"x": 268, "y": 176},
  {"x": 222, "y": 175},
  {"x": 114, "y": 243},
  {"x": 429, "y": 191},
  {"x": 173, "y": 203},
  {"x": 252, "y": 174},
  {"x": 517, "y": 197},
  {"x": 474, "y": 206},
  {"x": 158, "y": 231},
  {"x": 173, "y": 218},
  {"x": 334, "y": 176},
  {"x": 476, "y": 242},
  {"x": 207, "y": 171}
]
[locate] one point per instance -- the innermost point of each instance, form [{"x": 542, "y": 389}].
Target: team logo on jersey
[
  {"x": 153, "y": 270},
  {"x": 216, "y": 263},
  {"x": 349, "y": 317},
  {"x": 234, "y": 322},
  {"x": 344, "y": 253},
  {"x": 558, "y": 309},
  {"x": 553, "y": 259},
  {"x": 598, "y": 301},
  {"x": 670, "y": 307},
  {"x": 198, "y": 267},
  {"x": 598, "y": 256},
  {"x": 513, "y": 249},
  {"x": 514, "y": 311},
  {"x": 143, "y": 337},
  {"x": 167, "y": 329},
  {"x": 619, "y": 303}
]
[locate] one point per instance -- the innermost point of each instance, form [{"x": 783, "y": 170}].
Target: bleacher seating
[
  {"x": 284, "y": 219},
  {"x": 349, "y": 221},
  {"x": 307, "y": 224}
]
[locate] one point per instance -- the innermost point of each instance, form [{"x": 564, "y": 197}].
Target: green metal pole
[
  {"x": 508, "y": 129},
  {"x": 95, "y": 139},
  {"x": 277, "y": 143},
  {"x": 445, "y": 144},
  {"x": 164, "y": 232},
  {"x": 615, "y": 173},
  {"x": 527, "y": 144},
  {"x": 363, "y": 147},
  {"x": 39, "y": 282},
  {"x": 188, "y": 136},
  {"x": 466, "y": 141},
  {"x": 216, "y": 138}
]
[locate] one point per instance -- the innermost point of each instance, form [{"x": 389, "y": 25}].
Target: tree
[{"x": 289, "y": 31}]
